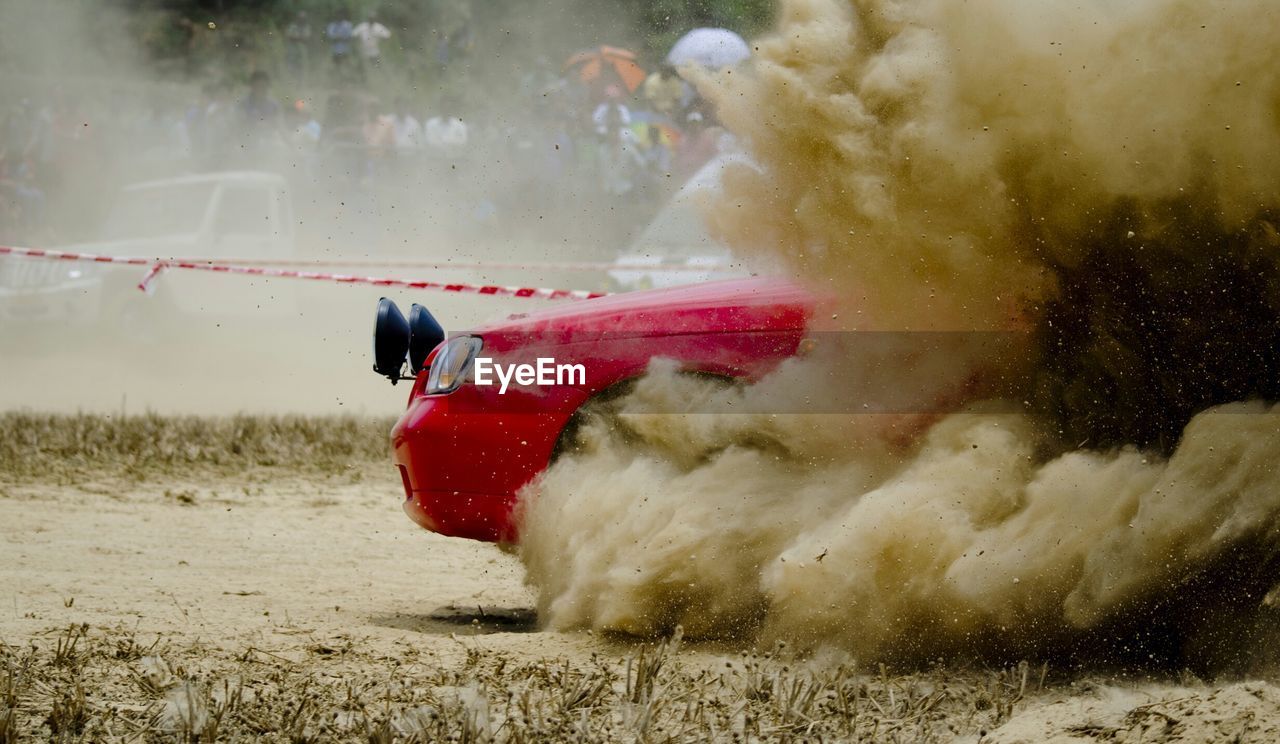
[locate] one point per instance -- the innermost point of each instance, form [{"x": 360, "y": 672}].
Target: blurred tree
[
  {"x": 665, "y": 21},
  {"x": 652, "y": 25}
]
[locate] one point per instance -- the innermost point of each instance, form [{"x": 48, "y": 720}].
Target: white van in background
[
  {"x": 676, "y": 248},
  {"x": 237, "y": 214}
]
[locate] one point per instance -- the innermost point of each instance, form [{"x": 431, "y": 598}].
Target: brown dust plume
[{"x": 1105, "y": 173}]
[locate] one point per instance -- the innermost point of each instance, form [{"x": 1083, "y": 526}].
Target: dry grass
[
  {"x": 52, "y": 447},
  {"x": 105, "y": 682},
  {"x": 654, "y": 692}
]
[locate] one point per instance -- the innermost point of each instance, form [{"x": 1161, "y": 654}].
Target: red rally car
[{"x": 491, "y": 407}]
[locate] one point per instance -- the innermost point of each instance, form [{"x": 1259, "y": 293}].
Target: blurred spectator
[
  {"x": 206, "y": 123},
  {"x": 297, "y": 39},
  {"x": 258, "y": 106},
  {"x": 406, "y": 130},
  {"x": 657, "y": 156},
  {"x": 260, "y": 119},
  {"x": 378, "y": 130},
  {"x": 621, "y": 166},
  {"x": 371, "y": 34},
  {"x": 454, "y": 45},
  {"x": 558, "y": 135},
  {"x": 702, "y": 140},
  {"x": 306, "y": 130},
  {"x": 378, "y": 134},
  {"x": 340, "y": 33},
  {"x": 612, "y": 114},
  {"x": 303, "y": 140},
  {"x": 446, "y": 131},
  {"x": 665, "y": 91}
]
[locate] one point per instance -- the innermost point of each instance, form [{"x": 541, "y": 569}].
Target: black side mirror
[
  {"x": 425, "y": 334},
  {"x": 390, "y": 340}
]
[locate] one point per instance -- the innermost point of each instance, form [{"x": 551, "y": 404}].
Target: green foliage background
[{"x": 556, "y": 26}]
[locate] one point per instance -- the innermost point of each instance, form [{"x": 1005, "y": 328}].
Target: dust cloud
[
  {"x": 1102, "y": 175},
  {"x": 940, "y": 158},
  {"x": 973, "y": 544}
]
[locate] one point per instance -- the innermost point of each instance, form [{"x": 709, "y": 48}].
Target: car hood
[{"x": 730, "y": 306}]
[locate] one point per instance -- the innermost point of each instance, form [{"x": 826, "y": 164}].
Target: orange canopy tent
[{"x": 590, "y": 65}]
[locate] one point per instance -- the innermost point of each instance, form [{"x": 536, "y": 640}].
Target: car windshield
[
  {"x": 150, "y": 212},
  {"x": 677, "y": 231},
  {"x": 243, "y": 211}
]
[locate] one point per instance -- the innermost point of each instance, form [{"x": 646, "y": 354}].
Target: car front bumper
[{"x": 464, "y": 456}]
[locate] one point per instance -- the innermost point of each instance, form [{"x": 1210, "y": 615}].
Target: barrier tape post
[{"x": 152, "y": 273}]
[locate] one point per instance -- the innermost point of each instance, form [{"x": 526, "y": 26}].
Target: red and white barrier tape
[
  {"x": 157, "y": 266},
  {"x": 468, "y": 265},
  {"x": 68, "y": 256},
  {"x": 372, "y": 263}
]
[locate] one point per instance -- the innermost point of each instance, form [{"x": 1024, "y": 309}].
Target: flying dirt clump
[{"x": 1107, "y": 173}]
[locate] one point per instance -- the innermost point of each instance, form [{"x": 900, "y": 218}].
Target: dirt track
[
  {"x": 313, "y": 603},
  {"x": 248, "y": 563}
]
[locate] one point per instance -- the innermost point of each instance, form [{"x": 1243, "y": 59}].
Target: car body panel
[{"x": 465, "y": 455}]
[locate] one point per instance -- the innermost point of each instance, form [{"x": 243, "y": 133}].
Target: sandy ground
[
  {"x": 321, "y": 584},
  {"x": 261, "y": 564}
]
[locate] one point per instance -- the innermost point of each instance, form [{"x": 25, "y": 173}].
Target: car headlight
[{"x": 451, "y": 364}]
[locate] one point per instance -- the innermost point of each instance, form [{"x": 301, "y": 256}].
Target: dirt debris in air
[{"x": 298, "y": 603}]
